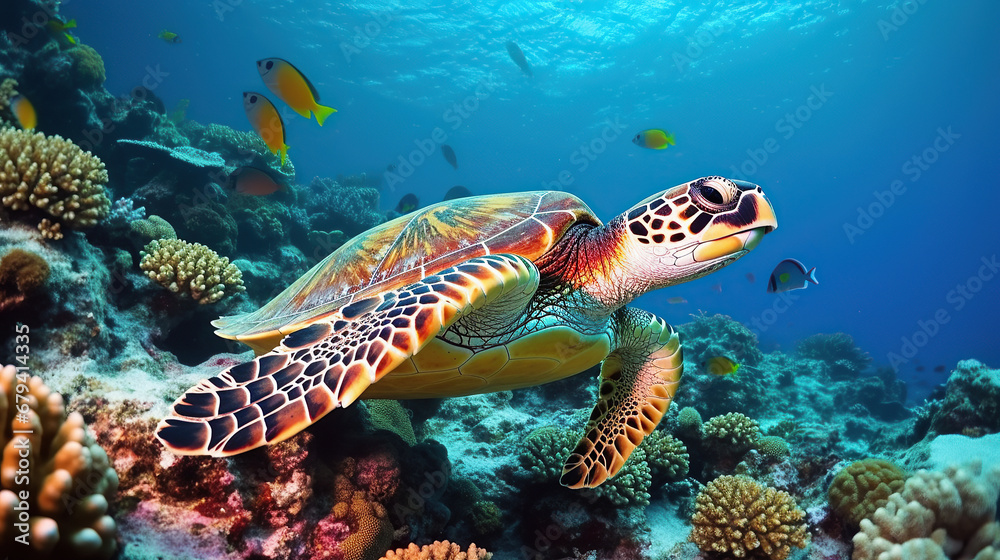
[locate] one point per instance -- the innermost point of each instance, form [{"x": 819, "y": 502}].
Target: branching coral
[
  {"x": 862, "y": 487},
  {"x": 734, "y": 429},
  {"x": 738, "y": 516},
  {"x": 950, "y": 514},
  {"x": 56, "y": 482},
  {"x": 191, "y": 269},
  {"x": 439, "y": 550},
  {"x": 53, "y": 177},
  {"x": 545, "y": 449},
  {"x": 667, "y": 455}
]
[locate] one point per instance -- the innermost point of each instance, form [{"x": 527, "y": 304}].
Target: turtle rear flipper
[
  {"x": 330, "y": 363},
  {"x": 638, "y": 381}
]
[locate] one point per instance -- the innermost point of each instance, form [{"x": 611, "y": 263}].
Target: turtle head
[{"x": 693, "y": 229}]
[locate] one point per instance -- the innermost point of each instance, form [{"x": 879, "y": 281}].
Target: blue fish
[{"x": 789, "y": 275}]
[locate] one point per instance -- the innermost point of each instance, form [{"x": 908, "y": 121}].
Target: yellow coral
[
  {"x": 862, "y": 487},
  {"x": 440, "y": 550},
  {"x": 48, "y": 174},
  {"x": 739, "y": 516},
  {"x": 191, "y": 269},
  {"x": 66, "y": 484}
]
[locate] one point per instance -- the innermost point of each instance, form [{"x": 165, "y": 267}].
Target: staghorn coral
[
  {"x": 862, "y": 487},
  {"x": 53, "y": 177},
  {"x": 67, "y": 487},
  {"x": 734, "y": 429},
  {"x": 191, "y": 269},
  {"x": 21, "y": 273},
  {"x": 950, "y": 514},
  {"x": 439, "y": 550},
  {"x": 738, "y": 516}
]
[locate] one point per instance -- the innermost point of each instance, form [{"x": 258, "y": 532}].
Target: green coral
[
  {"x": 862, "y": 487},
  {"x": 391, "y": 416},
  {"x": 153, "y": 227},
  {"x": 486, "y": 517},
  {"x": 88, "y": 67},
  {"x": 737, "y": 516},
  {"x": 736, "y": 430},
  {"x": 689, "y": 421},
  {"x": 191, "y": 270},
  {"x": 773, "y": 446},
  {"x": 631, "y": 485},
  {"x": 667, "y": 455},
  {"x": 545, "y": 449}
]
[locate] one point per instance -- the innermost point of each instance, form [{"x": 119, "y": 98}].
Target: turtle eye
[{"x": 714, "y": 194}]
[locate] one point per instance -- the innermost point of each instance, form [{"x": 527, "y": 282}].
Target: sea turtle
[{"x": 475, "y": 295}]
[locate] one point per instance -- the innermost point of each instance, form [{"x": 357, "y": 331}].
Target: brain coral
[
  {"x": 862, "y": 487},
  {"x": 53, "y": 178},
  {"x": 439, "y": 550},
  {"x": 191, "y": 269},
  {"x": 738, "y": 516},
  {"x": 67, "y": 487}
]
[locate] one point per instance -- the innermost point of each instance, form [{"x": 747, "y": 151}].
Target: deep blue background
[{"x": 720, "y": 80}]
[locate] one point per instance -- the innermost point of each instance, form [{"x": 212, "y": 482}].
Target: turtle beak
[{"x": 753, "y": 212}]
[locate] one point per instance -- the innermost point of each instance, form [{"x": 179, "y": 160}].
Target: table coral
[
  {"x": 191, "y": 270},
  {"x": 53, "y": 177},
  {"x": 738, "y": 516},
  {"x": 68, "y": 484},
  {"x": 439, "y": 550},
  {"x": 864, "y": 486}
]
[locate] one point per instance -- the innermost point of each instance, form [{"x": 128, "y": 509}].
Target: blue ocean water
[{"x": 830, "y": 106}]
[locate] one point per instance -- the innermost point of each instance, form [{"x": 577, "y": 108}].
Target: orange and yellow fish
[
  {"x": 24, "y": 111},
  {"x": 266, "y": 122},
  {"x": 292, "y": 87},
  {"x": 654, "y": 138}
]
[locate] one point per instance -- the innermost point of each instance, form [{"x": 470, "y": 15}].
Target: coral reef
[
  {"x": 390, "y": 415},
  {"x": 971, "y": 401},
  {"x": 88, "y": 67},
  {"x": 734, "y": 431},
  {"x": 191, "y": 270},
  {"x": 738, "y": 516},
  {"x": 52, "y": 178},
  {"x": 438, "y": 550},
  {"x": 56, "y": 482},
  {"x": 667, "y": 455},
  {"x": 864, "y": 486},
  {"x": 21, "y": 274},
  {"x": 772, "y": 446},
  {"x": 837, "y": 349},
  {"x": 950, "y": 514},
  {"x": 545, "y": 449},
  {"x": 332, "y": 206}
]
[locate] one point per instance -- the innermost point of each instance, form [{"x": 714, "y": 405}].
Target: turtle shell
[{"x": 408, "y": 248}]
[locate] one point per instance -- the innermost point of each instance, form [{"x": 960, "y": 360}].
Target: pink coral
[{"x": 378, "y": 474}]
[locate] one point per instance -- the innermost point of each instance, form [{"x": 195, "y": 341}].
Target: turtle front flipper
[
  {"x": 638, "y": 381},
  {"x": 331, "y": 362}
]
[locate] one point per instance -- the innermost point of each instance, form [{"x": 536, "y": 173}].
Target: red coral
[{"x": 378, "y": 474}]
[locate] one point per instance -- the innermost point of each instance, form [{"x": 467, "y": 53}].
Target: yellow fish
[
  {"x": 292, "y": 87},
  {"x": 169, "y": 36},
  {"x": 267, "y": 122},
  {"x": 720, "y": 365},
  {"x": 58, "y": 29},
  {"x": 654, "y": 138},
  {"x": 25, "y": 112}
]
